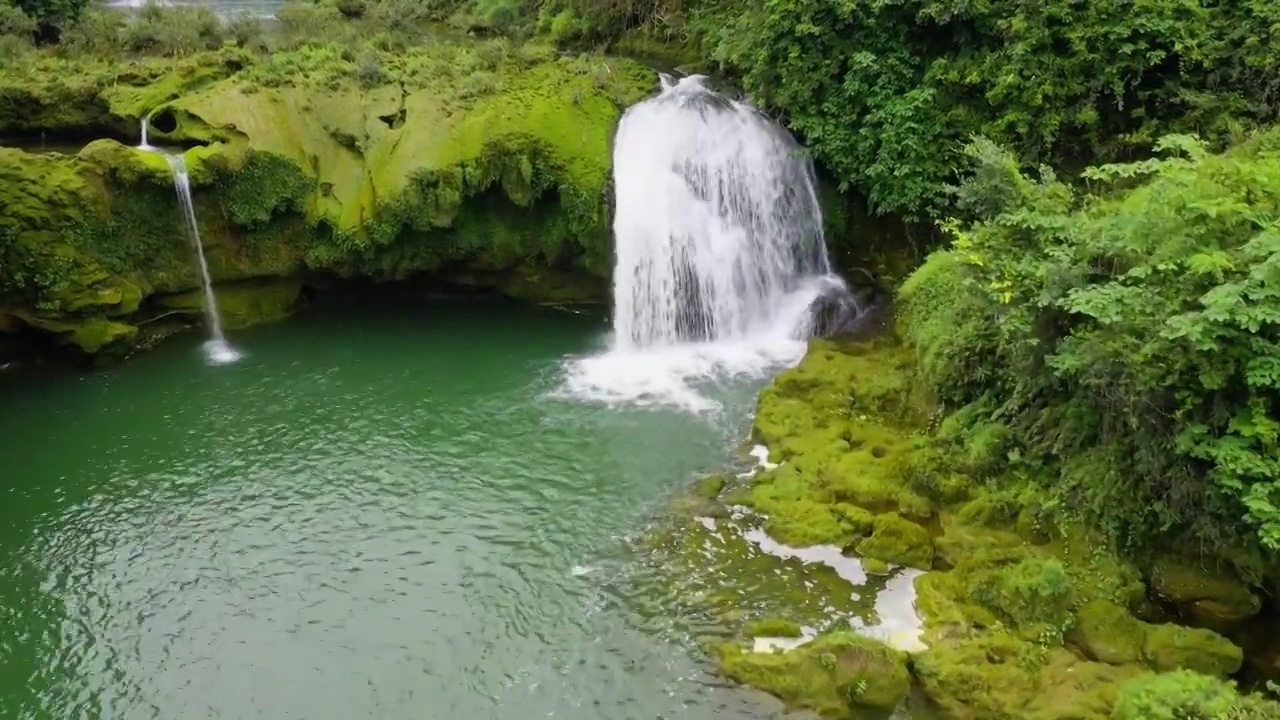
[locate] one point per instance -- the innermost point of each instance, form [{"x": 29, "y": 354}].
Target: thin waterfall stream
[{"x": 217, "y": 350}]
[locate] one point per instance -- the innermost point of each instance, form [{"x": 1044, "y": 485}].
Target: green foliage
[
  {"x": 51, "y": 15},
  {"x": 264, "y": 184},
  {"x": 1185, "y": 695},
  {"x": 173, "y": 31},
  {"x": 1129, "y": 337},
  {"x": 15, "y": 22},
  {"x": 886, "y": 92}
]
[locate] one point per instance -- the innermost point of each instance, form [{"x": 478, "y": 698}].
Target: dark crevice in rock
[{"x": 164, "y": 121}]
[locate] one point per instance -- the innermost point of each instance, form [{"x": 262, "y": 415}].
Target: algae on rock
[{"x": 834, "y": 675}]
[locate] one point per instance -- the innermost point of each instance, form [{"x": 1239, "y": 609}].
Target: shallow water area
[{"x": 371, "y": 514}]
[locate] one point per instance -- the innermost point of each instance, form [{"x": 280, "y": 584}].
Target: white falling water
[
  {"x": 146, "y": 128},
  {"x": 217, "y": 350},
  {"x": 719, "y": 247}
]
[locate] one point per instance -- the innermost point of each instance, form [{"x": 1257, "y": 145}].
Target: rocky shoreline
[{"x": 1022, "y": 615}]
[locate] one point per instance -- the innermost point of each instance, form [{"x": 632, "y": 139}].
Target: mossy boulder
[
  {"x": 1210, "y": 598},
  {"x": 898, "y": 540},
  {"x": 836, "y": 675},
  {"x": 1109, "y": 633},
  {"x": 1186, "y": 695},
  {"x": 774, "y": 627},
  {"x": 90, "y": 335},
  {"x": 1000, "y": 676},
  {"x": 1174, "y": 647}
]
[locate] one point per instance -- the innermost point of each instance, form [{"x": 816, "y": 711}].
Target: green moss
[
  {"x": 1183, "y": 695},
  {"x": 1210, "y": 597},
  {"x": 834, "y": 675},
  {"x": 1108, "y": 633},
  {"x": 98, "y": 334},
  {"x": 241, "y": 304},
  {"x": 300, "y": 165},
  {"x": 896, "y": 540},
  {"x": 91, "y": 335},
  {"x": 709, "y": 487},
  {"x": 802, "y": 523},
  {"x": 1173, "y": 647},
  {"x": 774, "y": 627},
  {"x": 1000, "y": 676}
]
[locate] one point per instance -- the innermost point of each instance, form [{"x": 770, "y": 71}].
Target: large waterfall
[{"x": 719, "y": 247}]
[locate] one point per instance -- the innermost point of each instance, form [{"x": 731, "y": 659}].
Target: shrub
[{"x": 1128, "y": 338}]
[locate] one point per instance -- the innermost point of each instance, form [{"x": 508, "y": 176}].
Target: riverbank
[{"x": 1022, "y": 612}]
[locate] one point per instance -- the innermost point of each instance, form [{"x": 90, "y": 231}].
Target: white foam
[
  {"x": 678, "y": 376},
  {"x": 220, "y": 352},
  {"x": 848, "y": 568}
]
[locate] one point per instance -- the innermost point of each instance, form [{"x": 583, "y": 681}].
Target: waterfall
[
  {"x": 217, "y": 350},
  {"x": 717, "y": 221},
  {"x": 720, "y": 254},
  {"x": 146, "y": 127}
]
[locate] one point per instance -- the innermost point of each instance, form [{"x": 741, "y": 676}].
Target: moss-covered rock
[
  {"x": 774, "y": 627},
  {"x": 1187, "y": 695},
  {"x": 1109, "y": 633},
  {"x": 1000, "y": 676},
  {"x": 1212, "y": 598},
  {"x": 835, "y": 675},
  {"x": 241, "y": 304},
  {"x": 896, "y": 540},
  {"x": 1174, "y": 647},
  {"x": 483, "y": 162}
]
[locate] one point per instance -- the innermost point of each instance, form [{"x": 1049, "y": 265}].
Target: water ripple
[{"x": 322, "y": 530}]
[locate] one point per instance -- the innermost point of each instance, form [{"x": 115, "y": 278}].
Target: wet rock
[
  {"x": 898, "y": 540},
  {"x": 845, "y": 312},
  {"x": 835, "y": 675},
  {"x": 1212, "y": 599}
]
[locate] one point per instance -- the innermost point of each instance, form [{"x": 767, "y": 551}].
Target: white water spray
[
  {"x": 719, "y": 245},
  {"x": 217, "y": 350}
]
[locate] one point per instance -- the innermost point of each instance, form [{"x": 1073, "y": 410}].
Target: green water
[{"x": 373, "y": 515}]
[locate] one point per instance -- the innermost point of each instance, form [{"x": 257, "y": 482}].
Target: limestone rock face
[{"x": 474, "y": 162}]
